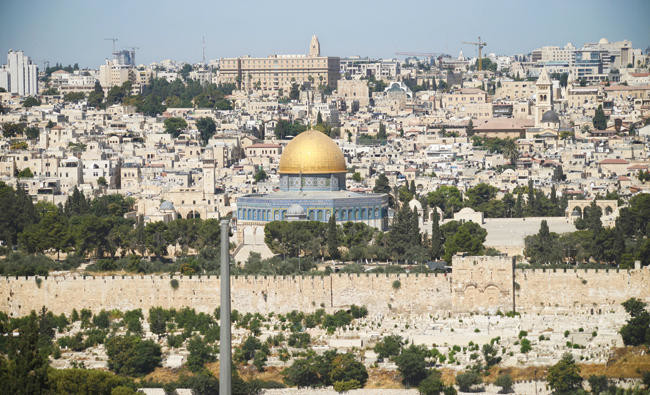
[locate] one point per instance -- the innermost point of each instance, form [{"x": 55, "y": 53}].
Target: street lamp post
[{"x": 225, "y": 373}]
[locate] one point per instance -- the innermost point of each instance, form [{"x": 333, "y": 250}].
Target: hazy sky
[{"x": 70, "y": 31}]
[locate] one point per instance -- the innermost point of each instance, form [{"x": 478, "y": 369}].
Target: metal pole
[{"x": 225, "y": 373}]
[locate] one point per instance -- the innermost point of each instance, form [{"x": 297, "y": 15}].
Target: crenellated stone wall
[{"x": 476, "y": 284}]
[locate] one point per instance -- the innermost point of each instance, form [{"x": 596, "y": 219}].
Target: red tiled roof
[{"x": 614, "y": 162}]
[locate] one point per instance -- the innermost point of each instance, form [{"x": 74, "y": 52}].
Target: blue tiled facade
[
  {"x": 266, "y": 208},
  {"x": 312, "y": 182}
]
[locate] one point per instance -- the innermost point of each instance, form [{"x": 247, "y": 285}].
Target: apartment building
[
  {"x": 516, "y": 90},
  {"x": 357, "y": 67},
  {"x": 20, "y": 76}
]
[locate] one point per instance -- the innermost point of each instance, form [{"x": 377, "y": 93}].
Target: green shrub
[
  {"x": 260, "y": 359},
  {"x": 200, "y": 354},
  {"x": 101, "y": 320},
  {"x": 598, "y": 384},
  {"x": 174, "y": 341},
  {"x": 132, "y": 356},
  {"x": 358, "y": 312},
  {"x": 505, "y": 382},
  {"x": 432, "y": 384},
  {"x": 299, "y": 340},
  {"x": 345, "y": 368},
  {"x": 88, "y": 381},
  {"x": 468, "y": 380},
  {"x": 411, "y": 363},
  {"x": 174, "y": 283},
  {"x": 397, "y": 284},
  {"x": 56, "y": 352},
  {"x": 389, "y": 346},
  {"x": 564, "y": 376},
  {"x": 344, "y": 386}
]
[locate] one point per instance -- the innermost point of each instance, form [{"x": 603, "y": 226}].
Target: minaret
[
  {"x": 544, "y": 96},
  {"x": 314, "y": 47},
  {"x": 209, "y": 184}
]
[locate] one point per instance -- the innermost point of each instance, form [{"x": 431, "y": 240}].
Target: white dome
[
  {"x": 295, "y": 210},
  {"x": 603, "y": 41},
  {"x": 415, "y": 204}
]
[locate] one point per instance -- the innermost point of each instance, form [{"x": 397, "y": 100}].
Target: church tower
[
  {"x": 314, "y": 47},
  {"x": 544, "y": 96}
]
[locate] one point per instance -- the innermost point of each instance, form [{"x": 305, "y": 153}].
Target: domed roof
[
  {"x": 167, "y": 206},
  {"x": 312, "y": 152},
  {"x": 295, "y": 210},
  {"x": 603, "y": 41},
  {"x": 550, "y": 117}
]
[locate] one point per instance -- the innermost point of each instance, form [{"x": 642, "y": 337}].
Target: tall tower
[
  {"x": 314, "y": 47},
  {"x": 544, "y": 96},
  {"x": 209, "y": 184}
]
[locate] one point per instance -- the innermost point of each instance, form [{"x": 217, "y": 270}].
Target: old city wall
[
  {"x": 18, "y": 296},
  {"x": 476, "y": 284},
  {"x": 579, "y": 289}
]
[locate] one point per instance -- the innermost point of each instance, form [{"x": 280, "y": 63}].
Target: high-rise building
[
  {"x": 281, "y": 71},
  {"x": 4, "y": 78},
  {"x": 125, "y": 57},
  {"x": 23, "y": 75}
]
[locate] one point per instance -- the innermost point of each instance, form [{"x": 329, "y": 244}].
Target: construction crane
[
  {"x": 114, "y": 40},
  {"x": 480, "y": 44}
]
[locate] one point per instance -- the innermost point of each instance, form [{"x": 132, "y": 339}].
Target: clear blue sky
[{"x": 70, "y": 31}]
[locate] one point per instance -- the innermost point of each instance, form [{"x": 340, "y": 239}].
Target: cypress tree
[
  {"x": 401, "y": 235},
  {"x": 332, "y": 238},
  {"x": 519, "y": 206},
  {"x": 414, "y": 227},
  {"x": 381, "y": 135},
  {"x": 554, "y": 201},
  {"x": 531, "y": 198},
  {"x": 381, "y": 184},
  {"x": 544, "y": 233},
  {"x": 600, "y": 120},
  {"x": 436, "y": 236}
]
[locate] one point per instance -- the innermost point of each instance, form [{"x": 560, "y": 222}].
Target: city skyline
[{"x": 57, "y": 32}]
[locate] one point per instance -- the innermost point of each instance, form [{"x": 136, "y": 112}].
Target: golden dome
[{"x": 312, "y": 152}]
